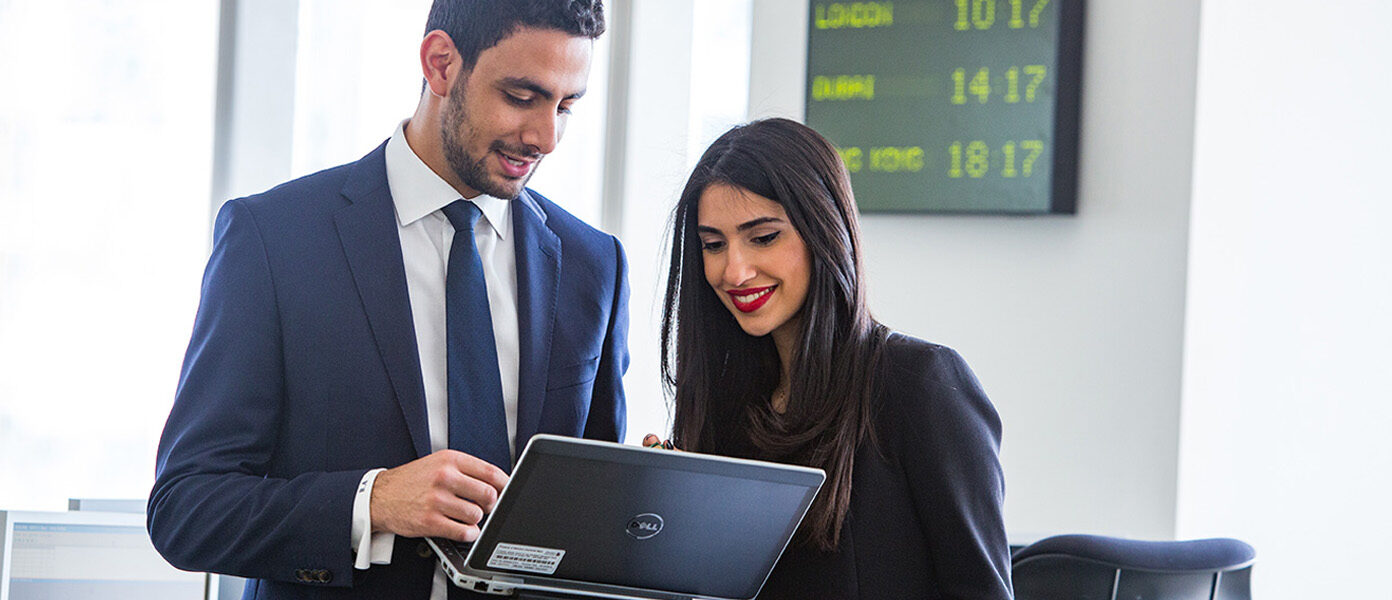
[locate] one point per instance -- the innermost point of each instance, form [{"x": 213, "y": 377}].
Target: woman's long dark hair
[{"x": 720, "y": 379}]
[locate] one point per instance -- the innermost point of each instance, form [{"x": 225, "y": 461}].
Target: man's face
[{"x": 510, "y": 110}]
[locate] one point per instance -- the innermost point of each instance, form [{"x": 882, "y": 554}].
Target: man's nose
[{"x": 542, "y": 132}]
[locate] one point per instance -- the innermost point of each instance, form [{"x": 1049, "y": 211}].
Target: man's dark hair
[{"x": 477, "y": 25}]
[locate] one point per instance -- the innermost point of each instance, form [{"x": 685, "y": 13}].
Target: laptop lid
[{"x": 602, "y": 519}]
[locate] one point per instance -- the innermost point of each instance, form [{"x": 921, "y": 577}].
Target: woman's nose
[{"x": 738, "y": 269}]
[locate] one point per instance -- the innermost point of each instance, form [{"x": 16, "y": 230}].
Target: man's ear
[{"x": 440, "y": 62}]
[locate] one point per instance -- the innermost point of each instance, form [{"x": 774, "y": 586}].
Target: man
[{"x": 417, "y": 311}]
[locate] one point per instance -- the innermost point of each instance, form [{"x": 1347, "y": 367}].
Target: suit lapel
[
  {"x": 538, "y": 279},
  {"x": 367, "y": 229}
]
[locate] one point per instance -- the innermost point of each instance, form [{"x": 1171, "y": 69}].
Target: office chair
[{"x": 1093, "y": 567}]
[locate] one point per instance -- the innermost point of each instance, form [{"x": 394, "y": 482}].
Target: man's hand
[{"x": 445, "y": 495}]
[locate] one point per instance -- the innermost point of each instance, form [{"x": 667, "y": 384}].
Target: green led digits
[
  {"x": 981, "y": 14},
  {"x": 973, "y": 159},
  {"x": 1035, "y": 73},
  {"x": 979, "y": 86},
  {"x": 1033, "y": 15}
]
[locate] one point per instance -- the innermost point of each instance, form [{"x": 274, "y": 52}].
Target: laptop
[{"x": 582, "y": 518}]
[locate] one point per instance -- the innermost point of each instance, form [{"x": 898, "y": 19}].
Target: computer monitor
[{"x": 70, "y": 555}]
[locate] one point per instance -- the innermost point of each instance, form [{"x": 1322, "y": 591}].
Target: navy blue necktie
[{"x": 477, "y": 421}]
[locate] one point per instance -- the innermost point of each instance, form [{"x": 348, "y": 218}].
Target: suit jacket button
[
  {"x": 423, "y": 550},
  {"x": 323, "y": 576},
  {"x": 301, "y": 575}
]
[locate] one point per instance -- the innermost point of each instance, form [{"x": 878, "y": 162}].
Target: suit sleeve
[
  {"x": 608, "y": 409},
  {"x": 950, "y": 436},
  {"x": 215, "y": 506}
]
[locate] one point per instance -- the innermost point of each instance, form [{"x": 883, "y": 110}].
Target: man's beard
[{"x": 470, "y": 170}]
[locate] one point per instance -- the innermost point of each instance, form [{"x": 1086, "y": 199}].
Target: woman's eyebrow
[
  {"x": 757, "y": 222},
  {"x": 742, "y": 226}
]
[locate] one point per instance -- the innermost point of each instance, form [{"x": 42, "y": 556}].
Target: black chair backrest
[{"x": 1091, "y": 567}]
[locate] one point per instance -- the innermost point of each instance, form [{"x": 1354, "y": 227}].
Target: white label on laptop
[{"x": 531, "y": 559}]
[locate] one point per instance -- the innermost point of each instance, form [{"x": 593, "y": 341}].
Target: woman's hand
[{"x": 652, "y": 441}]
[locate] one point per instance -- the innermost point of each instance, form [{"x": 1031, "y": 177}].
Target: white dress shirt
[{"x": 426, "y": 237}]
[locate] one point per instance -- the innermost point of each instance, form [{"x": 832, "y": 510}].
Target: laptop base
[{"x": 534, "y": 595}]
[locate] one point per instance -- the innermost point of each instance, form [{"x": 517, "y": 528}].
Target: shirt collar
[{"x": 417, "y": 191}]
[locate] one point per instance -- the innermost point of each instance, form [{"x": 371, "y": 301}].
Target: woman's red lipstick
[{"x": 753, "y": 297}]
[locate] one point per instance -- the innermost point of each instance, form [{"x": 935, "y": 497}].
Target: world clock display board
[{"x": 958, "y": 106}]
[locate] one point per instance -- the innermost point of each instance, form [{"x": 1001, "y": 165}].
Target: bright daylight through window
[{"x": 106, "y": 124}]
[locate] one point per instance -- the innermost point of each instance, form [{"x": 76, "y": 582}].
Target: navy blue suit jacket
[{"x": 303, "y": 373}]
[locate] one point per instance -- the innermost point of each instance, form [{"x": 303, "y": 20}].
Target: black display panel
[{"x": 959, "y": 106}]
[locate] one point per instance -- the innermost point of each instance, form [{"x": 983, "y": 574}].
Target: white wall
[
  {"x": 1286, "y": 407},
  {"x": 1072, "y": 323}
]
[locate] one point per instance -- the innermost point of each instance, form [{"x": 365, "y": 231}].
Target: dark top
[{"x": 925, "y": 517}]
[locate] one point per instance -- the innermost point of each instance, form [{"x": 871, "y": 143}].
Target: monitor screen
[
  {"x": 66, "y": 556},
  {"x": 950, "y": 106}
]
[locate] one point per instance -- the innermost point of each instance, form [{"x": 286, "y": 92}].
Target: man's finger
[
  {"x": 480, "y": 469},
  {"x": 473, "y": 490},
  {"x": 451, "y": 529},
  {"x": 469, "y": 533},
  {"x": 463, "y": 511}
]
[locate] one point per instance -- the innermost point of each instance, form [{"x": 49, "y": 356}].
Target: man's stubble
[{"x": 471, "y": 170}]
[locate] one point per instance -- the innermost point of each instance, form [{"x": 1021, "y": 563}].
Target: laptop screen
[{"x": 648, "y": 519}]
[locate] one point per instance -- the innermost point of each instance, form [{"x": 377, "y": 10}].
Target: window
[
  {"x": 719, "y": 71},
  {"x": 106, "y": 124}
]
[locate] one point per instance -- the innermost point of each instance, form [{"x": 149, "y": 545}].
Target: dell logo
[{"x": 644, "y": 526}]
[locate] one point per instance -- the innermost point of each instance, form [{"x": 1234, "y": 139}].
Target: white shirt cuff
[{"x": 374, "y": 548}]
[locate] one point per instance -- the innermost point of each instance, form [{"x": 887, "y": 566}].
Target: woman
[{"x": 770, "y": 352}]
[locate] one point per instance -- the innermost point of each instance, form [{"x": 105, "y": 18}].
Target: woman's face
[{"x": 754, "y": 259}]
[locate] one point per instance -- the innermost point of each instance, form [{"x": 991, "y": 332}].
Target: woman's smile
[{"x": 750, "y": 299}]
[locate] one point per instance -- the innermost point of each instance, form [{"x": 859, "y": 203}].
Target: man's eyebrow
[{"x": 536, "y": 88}]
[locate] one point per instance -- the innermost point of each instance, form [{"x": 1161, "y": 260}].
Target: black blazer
[{"x": 925, "y": 517}]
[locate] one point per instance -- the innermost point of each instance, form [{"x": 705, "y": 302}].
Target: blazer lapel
[
  {"x": 538, "y": 279},
  {"x": 367, "y": 229}
]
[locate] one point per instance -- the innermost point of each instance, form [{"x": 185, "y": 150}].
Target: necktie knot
[{"x": 462, "y": 214}]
